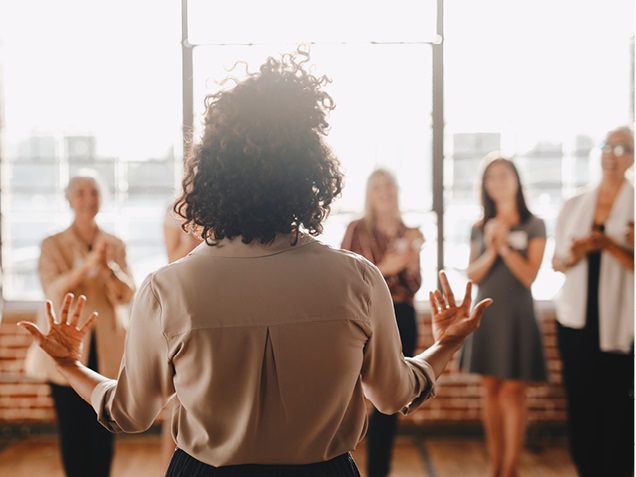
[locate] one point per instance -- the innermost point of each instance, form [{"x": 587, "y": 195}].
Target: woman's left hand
[
  {"x": 452, "y": 324},
  {"x": 63, "y": 342},
  {"x": 599, "y": 240}
]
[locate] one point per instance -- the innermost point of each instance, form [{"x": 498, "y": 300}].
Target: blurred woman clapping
[
  {"x": 594, "y": 248},
  {"x": 507, "y": 247},
  {"x": 84, "y": 260}
]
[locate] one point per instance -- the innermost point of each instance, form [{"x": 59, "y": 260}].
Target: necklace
[{"x": 83, "y": 236}]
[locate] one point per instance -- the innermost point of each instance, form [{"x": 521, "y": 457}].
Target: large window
[
  {"x": 99, "y": 86},
  {"x": 87, "y": 85},
  {"x": 540, "y": 81},
  {"x": 382, "y": 119},
  {"x": 379, "y": 61}
]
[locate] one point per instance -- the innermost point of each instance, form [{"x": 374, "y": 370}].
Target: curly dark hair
[{"x": 262, "y": 166}]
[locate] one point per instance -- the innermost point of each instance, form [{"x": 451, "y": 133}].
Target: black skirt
[{"x": 184, "y": 465}]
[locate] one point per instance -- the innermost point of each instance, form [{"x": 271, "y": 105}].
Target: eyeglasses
[{"x": 619, "y": 150}]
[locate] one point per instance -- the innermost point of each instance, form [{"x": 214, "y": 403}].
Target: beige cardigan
[{"x": 59, "y": 255}]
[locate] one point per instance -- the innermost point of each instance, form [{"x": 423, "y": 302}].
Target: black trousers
[
  {"x": 184, "y": 465},
  {"x": 383, "y": 427},
  {"x": 87, "y": 447},
  {"x": 600, "y": 401},
  {"x": 599, "y": 388}
]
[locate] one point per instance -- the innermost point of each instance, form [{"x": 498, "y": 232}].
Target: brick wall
[
  {"x": 458, "y": 400},
  {"x": 24, "y": 402}
]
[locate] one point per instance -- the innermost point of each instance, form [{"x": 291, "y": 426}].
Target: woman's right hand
[
  {"x": 579, "y": 248},
  {"x": 97, "y": 256},
  {"x": 63, "y": 342},
  {"x": 393, "y": 262},
  {"x": 496, "y": 234}
]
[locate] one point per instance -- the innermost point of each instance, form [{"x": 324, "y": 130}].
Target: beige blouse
[
  {"x": 270, "y": 350},
  {"x": 60, "y": 254}
]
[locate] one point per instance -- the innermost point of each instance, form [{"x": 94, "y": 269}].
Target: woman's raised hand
[
  {"x": 451, "y": 323},
  {"x": 63, "y": 342}
]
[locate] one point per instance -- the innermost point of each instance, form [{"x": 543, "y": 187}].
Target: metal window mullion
[
  {"x": 187, "y": 78},
  {"x": 438, "y": 132}
]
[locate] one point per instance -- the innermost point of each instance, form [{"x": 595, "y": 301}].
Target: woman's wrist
[
  {"x": 453, "y": 344},
  {"x": 491, "y": 253},
  {"x": 570, "y": 261},
  {"x": 67, "y": 362},
  {"x": 109, "y": 271},
  {"x": 504, "y": 251}
]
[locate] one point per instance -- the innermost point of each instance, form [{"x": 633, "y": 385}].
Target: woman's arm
[
  {"x": 64, "y": 344},
  {"x": 451, "y": 324},
  {"x": 391, "y": 381},
  {"x": 623, "y": 255},
  {"x": 393, "y": 262},
  {"x": 480, "y": 265},
  {"x": 525, "y": 269},
  {"x": 595, "y": 241},
  {"x": 350, "y": 239},
  {"x": 144, "y": 383},
  {"x": 119, "y": 284},
  {"x": 56, "y": 281}
]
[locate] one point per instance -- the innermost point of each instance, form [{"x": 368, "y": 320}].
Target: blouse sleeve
[
  {"x": 391, "y": 382},
  {"x": 561, "y": 234},
  {"x": 351, "y": 239},
  {"x": 475, "y": 233},
  {"x": 144, "y": 385},
  {"x": 126, "y": 289},
  {"x": 537, "y": 229},
  {"x": 53, "y": 271}
]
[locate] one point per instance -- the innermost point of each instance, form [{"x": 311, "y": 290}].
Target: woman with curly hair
[{"x": 268, "y": 339}]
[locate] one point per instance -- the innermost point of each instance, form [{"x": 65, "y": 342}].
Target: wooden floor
[{"x": 414, "y": 456}]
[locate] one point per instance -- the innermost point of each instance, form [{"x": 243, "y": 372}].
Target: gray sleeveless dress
[{"x": 508, "y": 343}]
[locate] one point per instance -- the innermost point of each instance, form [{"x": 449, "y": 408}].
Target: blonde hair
[{"x": 369, "y": 217}]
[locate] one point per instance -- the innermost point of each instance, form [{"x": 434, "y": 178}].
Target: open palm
[
  {"x": 451, "y": 323},
  {"x": 64, "y": 340}
]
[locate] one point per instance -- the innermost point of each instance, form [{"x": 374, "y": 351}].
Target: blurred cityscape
[{"x": 138, "y": 192}]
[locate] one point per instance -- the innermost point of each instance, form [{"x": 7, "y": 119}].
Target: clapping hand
[
  {"x": 451, "y": 323},
  {"x": 580, "y": 247},
  {"x": 496, "y": 234},
  {"x": 394, "y": 261},
  {"x": 63, "y": 342}
]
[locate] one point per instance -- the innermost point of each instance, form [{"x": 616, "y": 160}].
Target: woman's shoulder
[
  {"x": 113, "y": 239},
  {"x": 356, "y": 229},
  {"x": 534, "y": 221},
  {"x": 533, "y": 225},
  {"x": 357, "y": 224},
  {"x": 60, "y": 237},
  {"x": 579, "y": 198}
]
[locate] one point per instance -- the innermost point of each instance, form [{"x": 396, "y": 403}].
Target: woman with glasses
[{"x": 595, "y": 313}]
